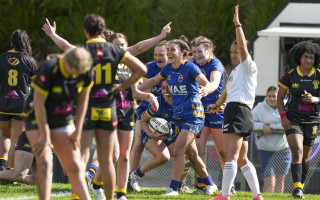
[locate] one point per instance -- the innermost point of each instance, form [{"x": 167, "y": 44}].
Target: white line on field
[{"x": 60, "y": 194}]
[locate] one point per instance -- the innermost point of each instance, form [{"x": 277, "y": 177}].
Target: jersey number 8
[{"x": 13, "y": 77}]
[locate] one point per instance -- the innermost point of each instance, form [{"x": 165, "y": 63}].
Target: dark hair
[
  {"x": 162, "y": 43},
  {"x": 107, "y": 34},
  {"x": 272, "y": 88},
  {"x": 205, "y": 42},
  {"x": 118, "y": 35},
  {"x": 182, "y": 42},
  {"x": 248, "y": 46},
  {"x": 94, "y": 24},
  {"x": 20, "y": 42},
  {"x": 305, "y": 46}
]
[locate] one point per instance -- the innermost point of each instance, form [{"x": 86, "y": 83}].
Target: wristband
[
  {"x": 282, "y": 115},
  {"x": 237, "y": 25}
]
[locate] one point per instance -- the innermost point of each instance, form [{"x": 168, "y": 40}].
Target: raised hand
[
  {"x": 48, "y": 29},
  {"x": 166, "y": 30},
  {"x": 236, "y": 15}
]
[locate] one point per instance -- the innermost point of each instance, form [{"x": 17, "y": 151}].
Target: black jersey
[
  {"x": 297, "y": 83},
  {"x": 61, "y": 90},
  {"x": 16, "y": 70},
  {"x": 106, "y": 58},
  {"x": 124, "y": 99}
]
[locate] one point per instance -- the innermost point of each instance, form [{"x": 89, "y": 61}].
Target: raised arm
[
  {"x": 144, "y": 45},
  {"x": 51, "y": 32},
  {"x": 241, "y": 40}
]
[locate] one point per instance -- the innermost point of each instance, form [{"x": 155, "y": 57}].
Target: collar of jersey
[
  {"x": 310, "y": 73},
  {"x": 63, "y": 69},
  {"x": 96, "y": 40},
  {"x": 14, "y": 51}
]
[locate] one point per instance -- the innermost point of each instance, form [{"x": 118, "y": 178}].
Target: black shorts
[
  {"x": 23, "y": 143},
  {"x": 5, "y": 117},
  {"x": 100, "y": 115},
  {"x": 238, "y": 119},
  {"x": 308, "y": 130},
  {"x": 126, "y": 123}
]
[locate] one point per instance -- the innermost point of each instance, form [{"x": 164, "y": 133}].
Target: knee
[
  {"x": 163, "y": 158},
  {"x": 296, "y": 154},
  {"x": 17, "y": 176},
  {"x": 222, "y": 156},
  {"x": 124, "y": 158}
]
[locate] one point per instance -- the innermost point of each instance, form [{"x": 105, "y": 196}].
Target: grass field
[{"x": 62, "y": 191}]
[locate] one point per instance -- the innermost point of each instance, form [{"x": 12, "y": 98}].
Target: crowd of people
[{"x": 88, "y": 96}]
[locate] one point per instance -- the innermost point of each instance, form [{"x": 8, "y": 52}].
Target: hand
[
  {"x": 40, "y": 145},
  {"x": 116, "y": 88},
  {"x": 157, "y": 136},
  {"x": 48, "y": 29},
  {"x": 236, "y": 15},
  {"x": 266, "y": 129},
  {"x": 286, "y": 124},
  {"x": 74, "y": 138},
  {"x": 212, "y": 108},
  {"x": 308, "y": 98},
  {"x": 153, "y": 101},
  {"x": 165, "y": 30},
  {"x": 203, "y": 91}
]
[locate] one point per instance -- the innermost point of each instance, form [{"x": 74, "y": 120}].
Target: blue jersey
[
  {"x": 152, "y": 71},
  {"x": 212, "y": 65},
  {"x": 184, "y": 89}
]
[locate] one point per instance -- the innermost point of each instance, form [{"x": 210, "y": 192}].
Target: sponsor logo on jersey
[
  {"x": 230, "y": 79},
  {"x": 169, "y": 77},
  {"x": 123, "y": 103},
  {"x": 62, "y": 109},
  {"x": 315, "y": 84},
  {"x": 12, "y": 95},
  {"x": 102, "y": 93},
  {"x": 315, "y": 129},
  {"x": 42, "y": 78},
  {"x": 27, "y": 145},
  {"x": 100, "y": 53},
  {"x": 295, "y": 85},
  {"x": 178, "y": 90},
  {"x": 114, "y": 123},
  {"x": 13, "y": 61},
  {"x": 180, "y": 78}
]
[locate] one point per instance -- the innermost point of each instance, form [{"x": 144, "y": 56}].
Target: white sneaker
[
  {"x": 186, "y": 189},
  {"x": 97, "y": 193},
  {"x": 171, "y": 192},
  {"x": 88, "y": 180},
  {"x": 122, "y": 198},
  {"x": 135, "y": 181},
  {"x": 210, "y": 189}
]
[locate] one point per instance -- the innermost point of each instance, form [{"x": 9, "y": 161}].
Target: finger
[
  {"x": 54, "y": 24},
  {"x": 169, "y": 24},
  {"x": 48, "y": 22}
]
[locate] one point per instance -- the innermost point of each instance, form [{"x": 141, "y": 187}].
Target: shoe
[
  {"x": 129, "y": 188},
  {"x": 185, "y": 189},
  {"x": 3, "y": 167},
  {"x": 135, "y": 181},
  {"x": 97, "y": 193},
  {"x": 199, "y": 191},
  {"x": 210, "y": 189},
  {"x": 171, "y": 192},
  {"x": 298, "y": 193},
  {"x": 219, "y": 196},
  {"x": 233, "y": 191},
  {"x": 88, "y": 180},
  {"x": 259, "y": 197},
  {"x": 122, "y": 198}
]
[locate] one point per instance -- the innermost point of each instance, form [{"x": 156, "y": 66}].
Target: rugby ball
[{"x": 161, "y": 124}]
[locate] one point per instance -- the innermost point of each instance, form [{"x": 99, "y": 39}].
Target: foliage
[{"x": 138, "y": 20}]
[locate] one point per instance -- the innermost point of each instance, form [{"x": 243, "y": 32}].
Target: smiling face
[
  {"x": 160, "y": 56},
  {"x": 307, "y": 60},
  {"x": 200, "y": 54},
  {"x": 165, "y": 90},
  {"x": 174, "y": 53},
  {"x": 120, "y": 42},
  {"x": 272, "y": 98},
  {"x": 234, "y": 54}
]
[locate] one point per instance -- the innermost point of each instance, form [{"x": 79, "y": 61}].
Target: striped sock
[
  {"x": 97, "y": 184},
  {"x": 250, "y": 173},
  {"x": 92, "y": 171},
  {"x": 229, "y": 173},
  {"x": 121, "y": 192}
]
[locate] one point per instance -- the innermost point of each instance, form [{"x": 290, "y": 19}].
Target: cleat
[
  {"x": 88, "y": 180},
  {"x": 170, "y": 192},
  {"x": 135, "y": 181},
  {"x": 233, "y": 191},
  {"x": 122, "y": 198},
  {"x": 210, "y": 189},
  {"x": 219, "y": 196},
  {"x": 97, "y": 193},
  {"x": 259, "y": 197},
  {"x": 199, "y": 191},
  {"x": 298, "y": 193},
  {"x": 185, "y": 189}
]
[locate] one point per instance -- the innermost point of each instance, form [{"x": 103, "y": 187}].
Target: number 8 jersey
[{"x": 16, "y": 70}]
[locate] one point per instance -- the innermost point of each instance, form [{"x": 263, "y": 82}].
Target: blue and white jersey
[
  {"x": 152, "y": 70},
  {"x": 212, "y": 65},
  {"x": 184, "y": 89}
]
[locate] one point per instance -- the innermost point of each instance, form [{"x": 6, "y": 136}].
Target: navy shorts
[
  {"x": 214, "y": 120},
  {"x": 23, "y": 143},
  {"x": 308, "y": 130},
  {"x": 5, "y": 117},
  {"x": 192, "y": 124}
]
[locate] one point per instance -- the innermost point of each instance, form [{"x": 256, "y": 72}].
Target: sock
[
  {"x": 250, "y": 173},
  {"x": 296, "y": 171},
  {"x": 207, "y": 180},
  {"x": 181, "y": 185},
  {"x": 129, "y": 180},
  {"x": 174, "y": 185},
  {"x": 201, "y": 185},
  {"x": 121, "y": 192},
  {"x": 139, "y": 173},
  {"x": 97, "y": 184},
  {"x": 229, "y": 174},
  {"x": 305, "y": 168},
  {"x": 92, "y": 171},
  {"x": 74, "y": 196}
]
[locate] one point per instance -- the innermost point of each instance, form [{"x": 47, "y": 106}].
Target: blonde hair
[{"x": 79, "y": 59}]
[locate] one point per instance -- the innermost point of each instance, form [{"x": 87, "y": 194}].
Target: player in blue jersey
[
  {"x": 17, "y": 68},
  {"x": 184, "y": 78},
  {"x": 212, "y": 68},
  {"x": 154, "y": 67}
]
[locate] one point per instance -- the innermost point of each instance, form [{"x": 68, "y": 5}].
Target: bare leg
[
  {"x": 137, "y": 150},
  {"x": 17, "y": 126},
  {"x": 86, "y": 141},
  {"x": 5, "y": 139},
  {"x": 279, "y": 185},
  {"x": 269, "y": 184}
]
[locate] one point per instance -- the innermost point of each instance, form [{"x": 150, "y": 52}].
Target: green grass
[{"x": 27, "y": 192}]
